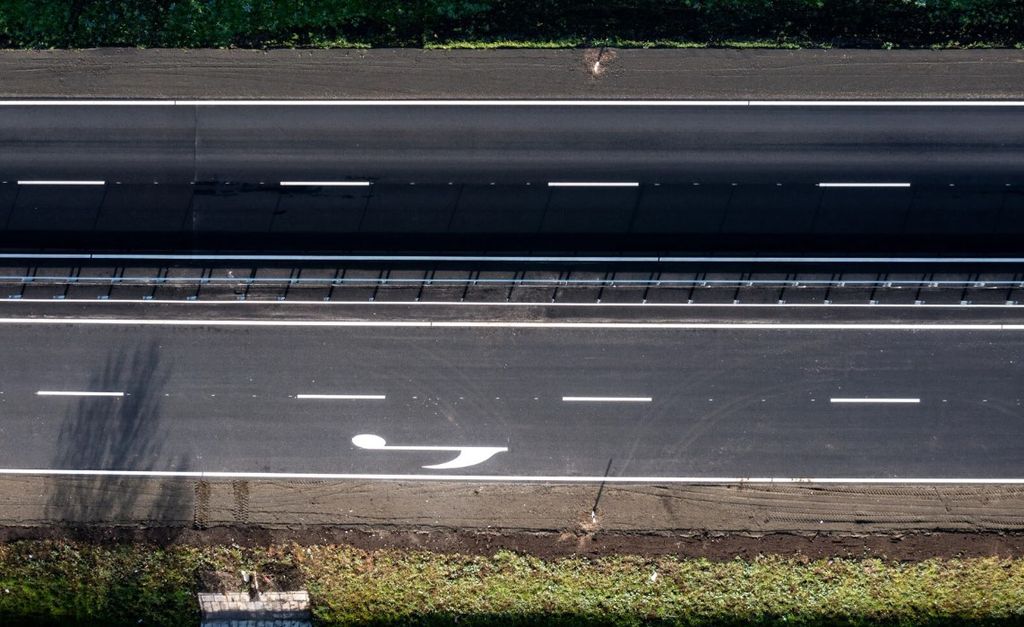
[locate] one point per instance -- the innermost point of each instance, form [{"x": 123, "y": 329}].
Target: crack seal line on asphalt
[
  {"x": 203, "y": 474},
  {"x": 470, "y": 324}
]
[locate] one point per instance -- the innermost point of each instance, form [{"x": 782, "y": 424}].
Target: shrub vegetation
[
  {"x": 469, "y": 23},
  {"x": 74, "y": 584}
]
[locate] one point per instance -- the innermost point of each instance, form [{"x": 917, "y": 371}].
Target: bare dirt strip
[
  {"x": 898, "y": 522},
  {"x": 513, "y": 74}
]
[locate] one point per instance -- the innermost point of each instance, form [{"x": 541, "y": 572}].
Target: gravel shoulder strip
[{"x": 513, "y": 74}]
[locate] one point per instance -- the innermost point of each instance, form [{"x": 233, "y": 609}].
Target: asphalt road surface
[
  {"x": 564, "y": 401},
  {"x": 729, "y": 178},
  {"x": 802, "y": 219},
  {"x": 477, "y": 144}
]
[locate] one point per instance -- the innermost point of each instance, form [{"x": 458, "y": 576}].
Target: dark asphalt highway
[
  {"x": 799, "y": 219},
  {"x": 426, "y": 144},
  {"x": 729, "y": 402}
]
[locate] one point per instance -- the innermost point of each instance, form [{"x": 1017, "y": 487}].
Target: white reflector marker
[
  {"x": 879, "y": 185},
  {"x": 325, "y": 183},
  {"x": 607, "y": 399},
  {"x": 74, "y": 393},
  {"x": 875, "y": 400},
  {"x": 342, "y": 397},
  {"x": 585, "y": 184},
  {"x": 41, "y": 182}
]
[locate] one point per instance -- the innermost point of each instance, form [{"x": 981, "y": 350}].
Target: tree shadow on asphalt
[{"x": 119, "y": 434}]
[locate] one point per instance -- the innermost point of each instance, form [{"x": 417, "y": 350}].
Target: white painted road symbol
[{"x": 468, "y": 455}]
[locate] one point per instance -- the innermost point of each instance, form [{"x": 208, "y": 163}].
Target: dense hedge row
[{"x": 260, "y": 23}]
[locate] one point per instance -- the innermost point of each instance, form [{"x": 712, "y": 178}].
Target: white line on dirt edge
[
  {"x": 468, "y": 324},
  {"x": 518, "y": 103},
  {"x": 202, "y": 474}
]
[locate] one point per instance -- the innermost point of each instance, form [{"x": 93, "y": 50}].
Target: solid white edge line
[
  {"x": 73, "y": 393},
  {"x": 592, "y": 184},
  {"x": 37, "y": 102},
  {"x": 436, "y": 303},
  {"x": 203, "y": 474},
  {"x": 874, "y": 400},
  {"x": 607, "y": 399},
  {"x": 515, "y": 259},
  {"x": 507, "y": 103},
  {"x": 325, "y": 183},
  {"x": 343, "y": 397},
  {"x": 841, "y": 259},
  {"x": 885, "y": 103},
  {"x": 43, "y": 182},
  {"x": 870, "y": 185},
  {"x": 697, "y": 326}
]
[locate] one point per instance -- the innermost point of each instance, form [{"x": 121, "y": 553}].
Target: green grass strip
[{"x": 50, "y": 583}]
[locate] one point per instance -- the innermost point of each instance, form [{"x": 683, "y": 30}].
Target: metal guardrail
[
  {"x": 540, "y": 282},
  {"x": 470, "y": 285}
]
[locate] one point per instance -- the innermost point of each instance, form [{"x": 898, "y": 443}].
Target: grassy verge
[{"x": 44, "y": 583}]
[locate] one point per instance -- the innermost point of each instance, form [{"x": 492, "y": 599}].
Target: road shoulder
[
  {"x": 548, "y": 520},
  {"x": 709, "y": 74}
]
